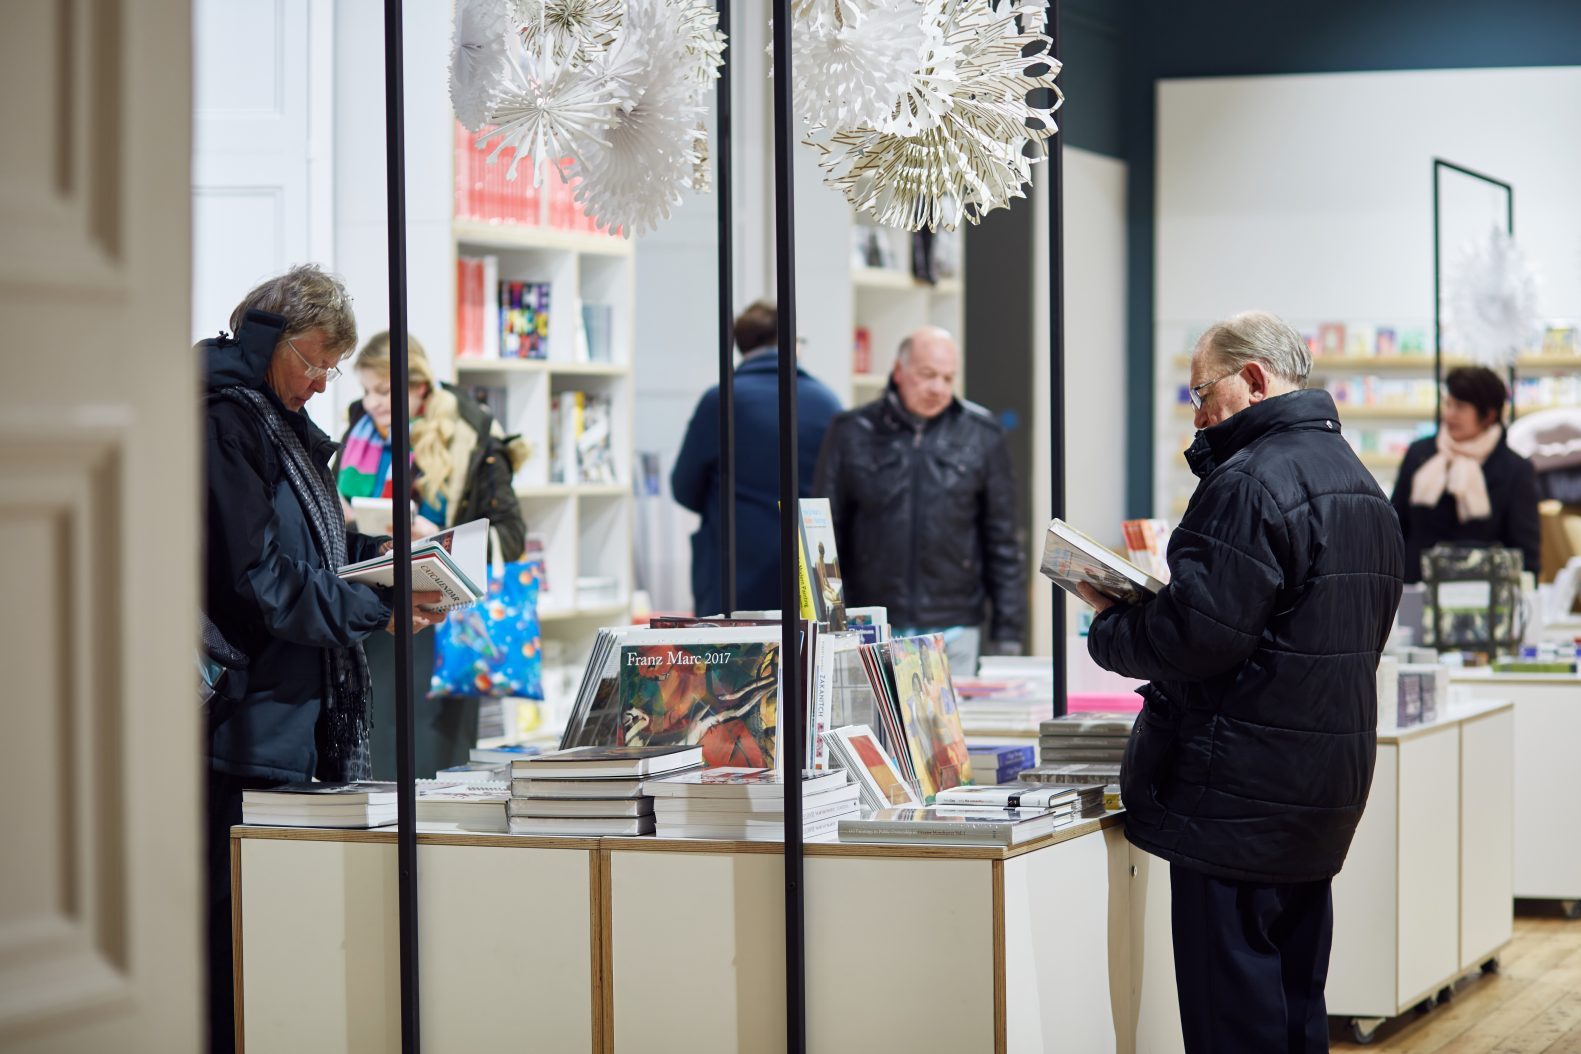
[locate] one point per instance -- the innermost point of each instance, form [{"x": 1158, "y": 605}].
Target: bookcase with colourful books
[
  {"x": 544, "y": 336},
  {"x": 889, "y": 300}
]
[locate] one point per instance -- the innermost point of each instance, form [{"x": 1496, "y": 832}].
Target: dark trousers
[
  {"x": 224, "y": 811},
  {"x": 1251, "y": 960},
  {"x": 444, "y": 730}
]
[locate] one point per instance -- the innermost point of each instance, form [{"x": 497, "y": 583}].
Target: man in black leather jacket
[
  {"x": 924, "y": 505},
  {"x": 1249, "y": 766}
]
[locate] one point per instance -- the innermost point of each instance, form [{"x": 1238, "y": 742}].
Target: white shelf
[
  {"x": 526, "y": 238},
  {"x": 569, "y": 490},
  {"x": 568, "y": 369},
  {"x": 582, "y": 611}
]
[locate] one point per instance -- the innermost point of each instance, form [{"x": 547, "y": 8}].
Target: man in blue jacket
[
  {"x": 695, "y": 479},
  {"x": 1249, "y": 766}
]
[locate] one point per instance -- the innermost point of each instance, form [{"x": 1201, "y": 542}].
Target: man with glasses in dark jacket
[{"x": 1249, "y": 766}]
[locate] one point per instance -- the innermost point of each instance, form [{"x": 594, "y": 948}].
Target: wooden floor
[{"x": 1531, "y": 1006}]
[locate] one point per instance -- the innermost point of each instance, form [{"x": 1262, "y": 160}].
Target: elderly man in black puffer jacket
[{"x": 1250, "y": 764}]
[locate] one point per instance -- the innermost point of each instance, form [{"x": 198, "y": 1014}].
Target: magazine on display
[
  {"x": 859, "y": 752},
  {"x": 914, "y": 674},
  {"x": 1071, "y": 558},
  {"x": 454, "y": 563},
  {"x": 822, "y": 586}
]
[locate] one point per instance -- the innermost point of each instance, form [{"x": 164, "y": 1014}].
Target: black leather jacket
[{"x": 925, "y": 515}]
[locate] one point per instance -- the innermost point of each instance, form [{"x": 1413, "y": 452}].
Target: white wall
[
  {"x": 1310, "y": 196},
  {"x": 1095, "y": 383}
]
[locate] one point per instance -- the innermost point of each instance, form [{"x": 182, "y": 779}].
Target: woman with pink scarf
[{"x": 1465, "y": 486}]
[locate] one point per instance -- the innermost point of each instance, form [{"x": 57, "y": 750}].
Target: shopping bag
[{"x": 492, "y": 649}]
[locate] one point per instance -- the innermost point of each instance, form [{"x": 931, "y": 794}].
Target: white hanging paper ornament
[
  {"x": 978, "y": 156},
  {"x": 1490, "y": 303},
  {"x": 705, "y": 45},
  {"x": 478, "y": 59},
  {"x": 576, "y": 28},
  {"x": 634, "y": 175},
  {"x": 551, "y": 109},
  {"x": 870, "y": 62}
]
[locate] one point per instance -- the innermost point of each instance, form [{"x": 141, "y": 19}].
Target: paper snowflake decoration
[
  {"x": 549, "y": 109},
  {"x": 1490, "y": 302},
  {"x": 633, "y": 176},
  {"x": 571, "y": 28},
  {"x": 478, "y": 59},
  {"x": 880, "y": 63},
  {"x": 978, "y": 155}
]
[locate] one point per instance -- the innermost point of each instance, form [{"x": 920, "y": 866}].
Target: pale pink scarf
[{"x": 1457, "y": 468}]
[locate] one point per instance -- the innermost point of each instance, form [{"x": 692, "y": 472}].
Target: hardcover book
[
  {"x": 1071, "y": 558},
  {"x": 740, "y": 783},
  {"x": 860, "y": 753},
  {"x": 629, "y": 760},
  {"x": 721, "y": 696},
  {"x": 452, "y": 562},
  {"x": 1011, "y": 796},
  {"x": 959, "y": 826},
  {"x": 929, "y": 713},
  {"x": 820, "y": 568}
]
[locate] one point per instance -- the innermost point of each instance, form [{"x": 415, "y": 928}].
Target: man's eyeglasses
[
  {"x": 313, "y": 372},
  {"x": 1199, "y": 390}
]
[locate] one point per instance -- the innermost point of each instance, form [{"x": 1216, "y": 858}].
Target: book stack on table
[
  {"x": 470, "y": 807},
  {"x": 950, "y": 825},
  {"x": 1063, "y": 802},
  {"x": 363, "y": 804},
  {"x": 743, "y": 804},
  {"x": 1088, "y": 738},
  {"x": 595, "y": 791},
  {"x": 1000, "y": 764}
]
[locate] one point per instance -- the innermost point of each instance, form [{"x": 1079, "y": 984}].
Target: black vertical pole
[
  {"x": 1438, "y": 313},
  {"x": 1509, "y": 227},
  {"x": 401, "y": 487},
  {"x": 1056, "y": 300},
  {"x": 727, "y": 385},
  {"x": 790, "y": 608}
]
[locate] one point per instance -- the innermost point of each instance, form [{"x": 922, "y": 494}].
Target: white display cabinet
[{"x": 1547, "y": 846}]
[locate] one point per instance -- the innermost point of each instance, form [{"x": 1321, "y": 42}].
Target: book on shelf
[
  {"x": 823, "y": 590},
  {"x": 1011, "y": 796},
  {"x": 972, "y": 826},
  {"x": 1000, "y": 764},
  {"x": 747, "y": 807},
  {"x": 502, "y": 755},
  {"x": 581, "y": 438},
  {"x": 1105, "y": 724},
  {"x": 524, "y": 319},
  {"x": 453, "y": 563},
  {"x": 581, "y": 787},
  {"x": 477, "y": 307},
  {"x": 1071, "y": 558},
  {"x": 482, "y": 191},
  {"x": 471, "y": 807},
  {"x": 597, "y": 340},
  {"x": 857, "y": 750},
  {"x": 582, "y": 826},
  {"x": 605, "y": 807},
  {"x": 740, "y": 783},
  {"x": 608, "y": 761}
]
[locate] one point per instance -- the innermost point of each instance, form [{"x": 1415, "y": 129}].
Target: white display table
[
  {"x": 1547, "y": 778},
  {"x": 650, "y": 946},
  {"x": 1425, "y": 895}
]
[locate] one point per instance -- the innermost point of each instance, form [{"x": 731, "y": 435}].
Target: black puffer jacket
[
  {"x": 265, "y": 585},
  {"x": 1254, "y": 751},
  {"x": 925, "y": 515}
]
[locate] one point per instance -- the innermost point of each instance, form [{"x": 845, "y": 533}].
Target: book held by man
[
  {"x": 1071, "y": 559},
  {"x": 453, "y": 563}
]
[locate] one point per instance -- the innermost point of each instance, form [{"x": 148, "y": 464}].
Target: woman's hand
[{"x": 422, "y": 618}]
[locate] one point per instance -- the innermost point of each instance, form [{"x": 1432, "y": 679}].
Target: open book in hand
[
  {"x": 453, "y": 562},
  {"x": 1071, "y": 558}
]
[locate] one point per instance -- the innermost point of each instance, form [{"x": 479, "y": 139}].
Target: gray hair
[
  {"x": 903, "y": 353},
  {"x": 310, "y": 298},
  {"x": 1257, "y": 336}
]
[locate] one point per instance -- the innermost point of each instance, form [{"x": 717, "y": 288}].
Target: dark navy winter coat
[
  {"x": 1254, "y": 751},
  {"x": 695, "y": 479},
  {"x": 265, "y": 585}
]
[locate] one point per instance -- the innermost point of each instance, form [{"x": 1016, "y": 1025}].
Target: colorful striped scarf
[{"x": 365, "y": 463}]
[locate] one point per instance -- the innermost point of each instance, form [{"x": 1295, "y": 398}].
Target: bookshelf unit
[
  {"x": 888, "y": 303},
  {"x": 584, "y": 525}
]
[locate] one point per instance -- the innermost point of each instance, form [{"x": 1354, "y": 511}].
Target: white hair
[{"x": 1257, "y": 336}]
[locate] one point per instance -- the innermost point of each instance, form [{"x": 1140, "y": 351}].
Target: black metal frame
[
  {"x": 1439, "y": 164},
  {"x": 1056, "y": 302},
  {"x": 727, "y": 384},
  {"x": 401, "y": 484}
]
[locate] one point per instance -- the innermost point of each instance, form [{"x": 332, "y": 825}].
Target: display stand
[
  {"x": 1439, "y": 167},
  {"x": 1547, "y": 850},
  {"x": 1424, "y": 897},
  {"x": 653, "y": 946}
]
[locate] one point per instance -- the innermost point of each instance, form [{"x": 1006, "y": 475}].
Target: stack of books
[
  {"x": 364, "y": 804},
  {"x": 1063, "y": 802},
  {"x": 472, "y": 807},
  {"x": 748, "y": 804},
  {"x": 592, "y": 790},
  {"x": 1000, "y": 764},
  {"x": 1073, "y": 772},
  {"x": 970, "y": 825},
  {"x": 1087, "y": 738}
]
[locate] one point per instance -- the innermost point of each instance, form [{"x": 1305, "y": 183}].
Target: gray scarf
[{"x": 345, "y": 721}]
